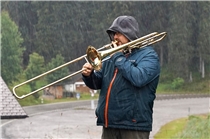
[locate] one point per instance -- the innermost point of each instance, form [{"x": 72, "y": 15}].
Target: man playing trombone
[{"x": 127, "y": 83}]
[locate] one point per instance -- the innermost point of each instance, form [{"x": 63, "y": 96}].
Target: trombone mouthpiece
[{"x": 110, "y": 45}]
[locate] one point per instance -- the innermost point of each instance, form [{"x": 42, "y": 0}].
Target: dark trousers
[{"x": 114, "y": 133}]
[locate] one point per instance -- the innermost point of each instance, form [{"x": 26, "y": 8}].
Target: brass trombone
[{"x": 95, "y": 58}]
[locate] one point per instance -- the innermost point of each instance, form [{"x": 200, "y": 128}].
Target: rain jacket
[{"x": 127, "y": 83}]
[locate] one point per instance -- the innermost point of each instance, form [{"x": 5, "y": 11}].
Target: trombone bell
[{"x": 94, "y": 58}]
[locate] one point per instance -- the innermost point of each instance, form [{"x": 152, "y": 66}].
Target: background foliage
[
  {"x": 49, "y": 28},
  {"x": 11, "y": 49}
]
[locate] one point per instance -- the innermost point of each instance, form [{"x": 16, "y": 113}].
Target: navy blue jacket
[{"x": 127, "y": 86}]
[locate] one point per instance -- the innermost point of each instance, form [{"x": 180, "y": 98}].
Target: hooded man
[{"x": 127, "y": 83}]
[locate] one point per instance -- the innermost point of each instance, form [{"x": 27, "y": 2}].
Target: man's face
[{"x": 120, "y": 38}]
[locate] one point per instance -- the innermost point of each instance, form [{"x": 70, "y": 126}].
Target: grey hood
[{"x": 126, "y": 25}]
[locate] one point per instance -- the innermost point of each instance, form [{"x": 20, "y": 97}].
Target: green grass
[
  {"x": 198, "y": 127},
  {"x": 193, "y": 127},
  {"x": 172, "y": 128},
  {"x": 199, "y": 86}
]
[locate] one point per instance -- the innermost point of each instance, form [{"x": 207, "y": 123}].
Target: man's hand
[{"x": 87, "y": 69}]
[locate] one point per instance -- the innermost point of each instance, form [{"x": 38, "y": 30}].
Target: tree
[
  {"x": 181, "y": 37},
  {"x": 55, "y": 62},
  {"x": 34, "y": 68},
  {"x": 11, "y": 49},
  {"x": 59, "y": 30},
  {"x": 203, "y": 49},
  {"x": 24, "y": 15}
]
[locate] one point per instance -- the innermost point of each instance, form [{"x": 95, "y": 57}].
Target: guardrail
[{"x": 180, "y": 96}]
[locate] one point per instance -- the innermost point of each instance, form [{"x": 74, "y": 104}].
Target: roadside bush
[{"x": 177, "y": 83}]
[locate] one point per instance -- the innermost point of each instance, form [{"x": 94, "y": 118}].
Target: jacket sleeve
[
  {"x": 93, "y": 81},
  {"x": 145, "y": 68}
]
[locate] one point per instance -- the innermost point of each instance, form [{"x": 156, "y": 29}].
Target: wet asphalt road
[{"x": 76, "y": 120}]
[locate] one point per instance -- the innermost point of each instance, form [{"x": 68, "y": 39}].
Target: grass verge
[{"x": 192, "y": 127}]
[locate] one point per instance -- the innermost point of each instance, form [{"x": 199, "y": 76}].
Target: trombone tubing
[
  {"x": 52, "y": 70},
  {"x": 39, "y": 76},
  {"x": 143, "y": 41}
]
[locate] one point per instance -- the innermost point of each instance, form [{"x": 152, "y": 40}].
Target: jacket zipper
[{"x": 107, "y": 98}]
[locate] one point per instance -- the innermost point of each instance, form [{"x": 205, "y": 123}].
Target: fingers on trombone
[
  {"x": 87, "y": 68},
  {"x": 84, "y": 71},
  {"x": 114, "y": 43}
]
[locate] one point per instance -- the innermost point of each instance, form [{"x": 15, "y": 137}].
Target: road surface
[{"x": 76, "y": 120}]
